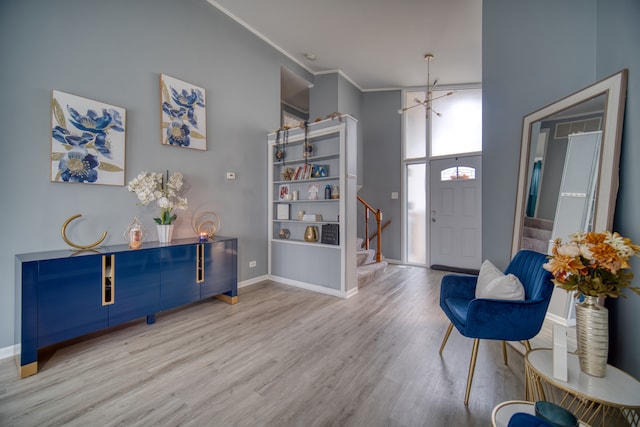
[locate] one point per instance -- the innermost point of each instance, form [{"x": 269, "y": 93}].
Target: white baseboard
[
  {"x": 253, "y": 281},
  {"x": 7, "y": 352},
  {"x": 312, "y": 287}
]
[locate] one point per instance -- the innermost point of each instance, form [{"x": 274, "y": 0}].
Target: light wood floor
[{"x": 282, "y": 356}]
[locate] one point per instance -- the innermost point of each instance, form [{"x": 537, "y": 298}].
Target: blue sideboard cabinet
[{"x": 66, "y": 294}]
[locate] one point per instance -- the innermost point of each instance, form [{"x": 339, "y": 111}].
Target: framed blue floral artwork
[
  {"x": 87, "y": 140},
  {"x": 184, "y": 115}
]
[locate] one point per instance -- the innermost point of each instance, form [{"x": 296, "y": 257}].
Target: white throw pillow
[{"x": 493, "y": 284}]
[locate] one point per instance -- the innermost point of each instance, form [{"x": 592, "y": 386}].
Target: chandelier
[{"x": 428, "y": 99}]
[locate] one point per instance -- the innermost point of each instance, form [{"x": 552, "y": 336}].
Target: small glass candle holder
[
  {"x": 203, "y": 237},
  {"x": 134, "y": 234}
]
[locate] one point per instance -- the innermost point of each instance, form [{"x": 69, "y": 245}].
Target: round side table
[
  {"x": 608, "y": 401},
  {"x": 503, "y": 412}
]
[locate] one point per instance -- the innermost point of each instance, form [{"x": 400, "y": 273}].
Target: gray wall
[
  {"x": 332, "y": 93},
  {"x": 382, "y": 160},
  {"x": 114, "y": 51},
  {"x": 617, "y": 48},
  {"x": 350, "y": 102},
  {"x": 323, "y": 96},
  {"x": 533, "y": 54}
]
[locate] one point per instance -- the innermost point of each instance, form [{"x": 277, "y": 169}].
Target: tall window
[
  {"x": 416, "y": 213},
  {"x": 456, "y": 130}
]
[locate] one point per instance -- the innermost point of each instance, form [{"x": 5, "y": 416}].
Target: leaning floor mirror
[{"x": 568, "y": 172}]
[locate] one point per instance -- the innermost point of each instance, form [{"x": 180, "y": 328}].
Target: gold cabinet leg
[
  {"x": 227, "y": 298},
  {"x": 504, "y": 352},
  {"x": 28, "y": 370},
  {"x": 446, "y": 337},
  {"x": 472, "y": 368}
]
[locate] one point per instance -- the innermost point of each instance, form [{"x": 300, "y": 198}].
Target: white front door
[{"x": 455, "y": 212}]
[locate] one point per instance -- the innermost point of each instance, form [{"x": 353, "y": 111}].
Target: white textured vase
[
  {"x": 165, "y": 231},
  {"x": 592, "y": 329}
]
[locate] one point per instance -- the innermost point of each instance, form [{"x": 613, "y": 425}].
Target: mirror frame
[{"x": 614, "y": 88}]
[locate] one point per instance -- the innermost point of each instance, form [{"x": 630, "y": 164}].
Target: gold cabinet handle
[
  {"x": 199, "y": 263},
  {"x": 108, "y": 279}
]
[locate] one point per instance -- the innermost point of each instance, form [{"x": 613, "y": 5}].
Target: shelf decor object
[
  {"x": 300, "y": 256},
  {"x": 134, "y": 234},
  {"x": 183, "y": 114},
  {"x": 592, "y": 332},
  {"x": 63, "y": 231},
  {"x": 168, "y": 191},
  {"x": 284, "y": 233},
  {"x": 206, "y": 222},
  {"x": 330, "y": 234},
  {"x": 311, "y": 233},
  {"x": 165, "y": 232},
  {"x": 594, "y": 265},
  {"x": 87, "y": 140},
  {"x": 283, "y": 211}
]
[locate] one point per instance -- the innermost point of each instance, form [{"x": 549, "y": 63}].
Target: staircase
[
  {"x": 370, "y": 264},
  {"x": 536, "y": 234},
  {"x": 368, "y": 269}
]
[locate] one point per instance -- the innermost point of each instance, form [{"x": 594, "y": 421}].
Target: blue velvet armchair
[{"x": 492, "y": 319}]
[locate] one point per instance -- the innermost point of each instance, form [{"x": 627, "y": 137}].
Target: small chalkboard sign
[{"x": 330, "y": 234}]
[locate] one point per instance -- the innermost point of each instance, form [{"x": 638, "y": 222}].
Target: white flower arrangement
[{"x": 167, "y": 193}]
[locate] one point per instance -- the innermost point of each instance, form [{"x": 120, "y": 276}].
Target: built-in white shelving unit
[{"x": 325, "y": 265}]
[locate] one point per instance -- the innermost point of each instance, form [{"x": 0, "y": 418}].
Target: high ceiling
[{"x": 377, "y": 44}]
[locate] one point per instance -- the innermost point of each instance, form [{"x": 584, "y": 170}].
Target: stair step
[
  {"x": 365, "y": 256},
  {"x": 541, "y": 223},
  {"x": 537, "y": 233},
  {"x": 541, "y": 246}
]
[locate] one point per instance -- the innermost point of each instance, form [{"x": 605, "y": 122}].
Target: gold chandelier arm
[
  {"x": 442, "y": 96},
  {"x": 70, "y": 243},
  {"x": 402, "y": 110}
]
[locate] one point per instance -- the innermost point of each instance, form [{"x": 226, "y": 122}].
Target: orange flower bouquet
[{"x": 593, "y": 264}]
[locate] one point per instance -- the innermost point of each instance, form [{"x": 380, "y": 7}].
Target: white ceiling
[{"x": 377, "y": 44}]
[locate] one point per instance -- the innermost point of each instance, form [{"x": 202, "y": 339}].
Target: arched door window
[{"x": 458, "y": 173}]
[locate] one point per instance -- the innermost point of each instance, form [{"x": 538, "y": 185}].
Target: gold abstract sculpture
[
  {"x": 206, "y": 222},
  {"x": 70, "y": 243}
]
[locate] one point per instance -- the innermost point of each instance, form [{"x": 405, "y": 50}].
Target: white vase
[
  {"x": 165, "y": 231},
  {"x": 592, "y": 329}
]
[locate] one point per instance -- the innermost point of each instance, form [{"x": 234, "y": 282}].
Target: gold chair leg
[
  {"x": 446, "y": 337},
  {"x": 504, "y": 352},
  {"x": 472, "y": 368},
  {"x": 527, "y": 345}
]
